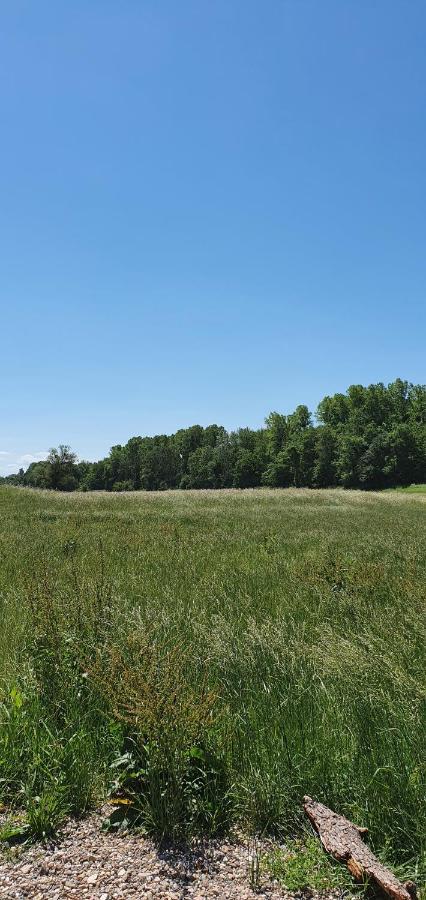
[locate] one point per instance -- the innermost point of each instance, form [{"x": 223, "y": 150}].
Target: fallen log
[{"x": 342, "y": 839}]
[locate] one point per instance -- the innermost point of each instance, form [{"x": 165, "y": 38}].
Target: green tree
[
  {"x": 202, "y": 468},
  {"x": 276, "y": 431},
  {"x": 62, "y": 472},
  {"x": 38, "y": 475},
  {"x": 324, "y": 470}
]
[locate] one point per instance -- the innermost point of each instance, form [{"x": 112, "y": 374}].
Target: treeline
[{"x": 370, "y": 437}]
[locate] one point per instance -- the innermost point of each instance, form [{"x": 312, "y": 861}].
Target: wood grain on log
[{"x": 342, "y": 839}]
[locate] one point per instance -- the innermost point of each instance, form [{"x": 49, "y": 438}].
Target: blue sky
[{"x": 208, "y": 210}]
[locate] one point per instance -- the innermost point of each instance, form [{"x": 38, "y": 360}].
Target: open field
[{"x": 217, "y": 655}]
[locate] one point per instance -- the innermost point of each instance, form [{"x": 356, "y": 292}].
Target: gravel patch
[{"x": 87, "y": 863}]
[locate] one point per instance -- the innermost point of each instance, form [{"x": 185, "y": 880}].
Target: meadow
[{"x": 211, "y": 657}]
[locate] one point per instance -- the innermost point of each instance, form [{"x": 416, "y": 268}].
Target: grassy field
[{"x": 213, "y": 656}]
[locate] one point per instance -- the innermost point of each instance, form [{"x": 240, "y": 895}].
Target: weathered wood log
[{"x": 342, "y": 839}]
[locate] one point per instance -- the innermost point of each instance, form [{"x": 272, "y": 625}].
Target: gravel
[{"x": 87, "y": 863}]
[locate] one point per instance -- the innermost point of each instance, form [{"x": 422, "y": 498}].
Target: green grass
[
  {"x": 411, "y": 489},
  {"x": 211, "y": 657},
  {"x": 303, "y": 866}
]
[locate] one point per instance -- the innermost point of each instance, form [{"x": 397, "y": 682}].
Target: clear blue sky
[{"x": 208, "y": 210}]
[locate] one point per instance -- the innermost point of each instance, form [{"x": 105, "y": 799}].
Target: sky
[{"x": 209, "y": 209}]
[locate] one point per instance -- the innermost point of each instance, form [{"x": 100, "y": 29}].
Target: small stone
[{"x": 92, "y": 879}]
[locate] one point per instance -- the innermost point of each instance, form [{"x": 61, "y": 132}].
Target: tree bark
[{"x": 342, "y": 839}]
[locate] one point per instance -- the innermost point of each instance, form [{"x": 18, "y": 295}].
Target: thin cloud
[
  {"x": 28, "y": 458},
  {"x": 20, "y": 462}
]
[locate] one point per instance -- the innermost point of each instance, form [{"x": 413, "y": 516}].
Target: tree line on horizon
[{"x": 371, "y": 437}]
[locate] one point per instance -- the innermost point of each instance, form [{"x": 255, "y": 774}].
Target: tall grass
[{"x": 214, "y": 656}]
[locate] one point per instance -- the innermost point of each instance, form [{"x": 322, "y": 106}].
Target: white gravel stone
[{"x": 88, "y": 864}]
